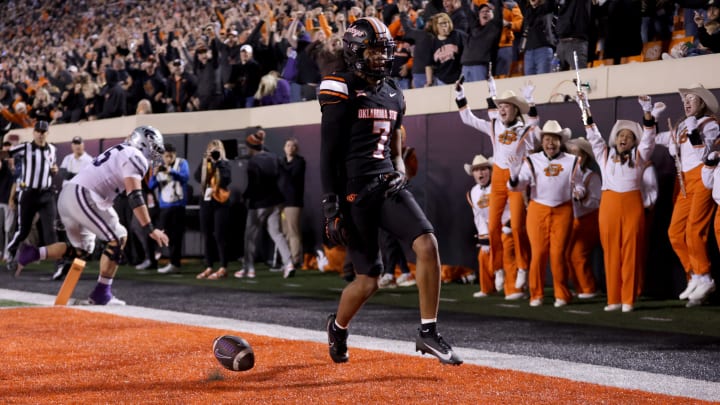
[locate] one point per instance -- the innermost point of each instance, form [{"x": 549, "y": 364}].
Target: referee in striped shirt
[{"x": 35, "y": 193}]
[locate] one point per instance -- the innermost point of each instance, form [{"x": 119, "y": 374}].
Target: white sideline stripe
[{"x": 602, "y": 375}]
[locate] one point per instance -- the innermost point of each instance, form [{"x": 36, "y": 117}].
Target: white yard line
[{"x": 602, "y": 375}]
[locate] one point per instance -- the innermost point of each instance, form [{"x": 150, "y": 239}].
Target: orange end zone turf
[{"x": 65, "y": 355}]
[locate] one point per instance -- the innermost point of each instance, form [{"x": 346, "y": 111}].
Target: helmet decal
[
  {"x": 149, "y": 141},
  {"x": 363, "y": 34}
]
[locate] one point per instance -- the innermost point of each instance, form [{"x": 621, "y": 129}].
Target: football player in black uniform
[{"x": 363, "y": 178}]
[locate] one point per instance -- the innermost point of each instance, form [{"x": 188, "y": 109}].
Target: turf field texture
[
  {"x": 71, "y": 355},
  {"x": 661, "y": 348}
]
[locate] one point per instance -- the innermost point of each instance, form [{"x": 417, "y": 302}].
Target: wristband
[
  {"x": 149, "y": 228},
  {"x": 461, "y": 102}
]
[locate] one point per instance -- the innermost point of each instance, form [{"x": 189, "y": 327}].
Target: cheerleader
[
  {"x": 554, "y": 179},
  {"x": 585, "y": 234},
  {"x": 511, "y": 138},
  {"x": 478, "y": 197},
  {"x": 689, "y": 144},
  {"x": 621, "y": 213}
]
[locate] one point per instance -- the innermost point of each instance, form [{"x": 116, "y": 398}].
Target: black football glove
[
  {"x": 334, "y": 224},
  {"x": 395, "y": 181}
]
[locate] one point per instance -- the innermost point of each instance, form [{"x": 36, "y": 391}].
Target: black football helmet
[{"x": 365, "y": 33}]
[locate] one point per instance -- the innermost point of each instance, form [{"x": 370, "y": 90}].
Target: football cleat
[
  {"x": 337, "y": 341},
  {"x": 61, "y": 270},
  {"x": 102, "y": 295},
  {"x": 433, "y": 343},
  {"x": 26, "y": 254},
  {"x": 113, "y": 301}
]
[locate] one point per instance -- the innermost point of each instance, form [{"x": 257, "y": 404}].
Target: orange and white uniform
[
  {"x": 692, "y": 213},
  {"x": 549, "y": 217},
  {"x": 585, "y": 234},
  {"x": 621, "y": 215},
  {"x": 514, "y": 141},
  {"x": 479, "y": 199}
]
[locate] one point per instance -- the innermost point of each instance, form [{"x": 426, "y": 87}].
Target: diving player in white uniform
[{"x": 85, "y": 206}]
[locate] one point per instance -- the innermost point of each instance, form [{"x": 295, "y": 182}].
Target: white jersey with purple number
[{"x": 105, "y": 178}]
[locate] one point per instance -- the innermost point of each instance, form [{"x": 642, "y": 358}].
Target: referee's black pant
[{"x": 31, "y": 202}]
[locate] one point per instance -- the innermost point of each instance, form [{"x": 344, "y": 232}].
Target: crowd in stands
[{"x": 83, "y": 60}]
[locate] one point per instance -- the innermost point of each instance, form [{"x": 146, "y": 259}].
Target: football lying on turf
[{"x": 234, "y": 353}]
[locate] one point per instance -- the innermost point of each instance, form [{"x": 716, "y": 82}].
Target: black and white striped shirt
[{"x": 36, "y": 163}]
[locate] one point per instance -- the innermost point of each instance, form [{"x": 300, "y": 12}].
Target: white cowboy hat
[
  {"x": 478, "y": 161},
  {"x": 584, "y": 145},
  {"x": 697, "y": 89},
  {"x": 509, "y": 96},
  {"x": 553, "y": 127},
  {"x": 633, "y": 126}
]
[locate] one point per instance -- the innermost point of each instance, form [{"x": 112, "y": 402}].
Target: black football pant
[{"x": 31, "y": 202}]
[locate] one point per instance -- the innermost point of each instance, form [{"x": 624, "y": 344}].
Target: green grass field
[{"x": 650, "y": 315}]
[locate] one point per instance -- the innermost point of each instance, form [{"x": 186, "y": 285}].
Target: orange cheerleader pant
[
  {"x": 499, "y": 195},
  {"x": 487, "y": 273},
  {"x": 622, "y": 234},
  {"x": 549, "y": 231},
  {"x": 690, "y": 224}
]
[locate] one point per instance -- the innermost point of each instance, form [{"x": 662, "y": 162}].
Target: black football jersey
[{"x": 370, "y": 116}]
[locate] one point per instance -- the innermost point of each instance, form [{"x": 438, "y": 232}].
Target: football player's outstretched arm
[
  {"x": 331, "y": 157},
  {"x": 133, "y": 187},
  {"x": 330, "y": 147}
]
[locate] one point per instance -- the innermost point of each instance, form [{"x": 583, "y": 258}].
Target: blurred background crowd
[{"x": 68, "y": 61}]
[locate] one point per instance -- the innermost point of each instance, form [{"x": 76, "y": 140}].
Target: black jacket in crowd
[
  {"x": 114, "y": 96},
  {"x": 482, "y": 41},
  {"x": 537, "y": 26},
  {"x": 573, "y": 19},
  {"x": 180, "y": 90},
  {"x": 263, "y": 172},
  {"x": 292, "y": 181},
  {"x": 423, "y": 40}
]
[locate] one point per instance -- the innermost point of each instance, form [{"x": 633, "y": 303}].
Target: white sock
[
  {"x": 424, "y": 321},
  {"x": 105, "y": 280},
  {"x": 337, "y": 325},
  {"x": 43, "y": 252}
]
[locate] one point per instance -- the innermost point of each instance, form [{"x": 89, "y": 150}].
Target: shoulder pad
[{"x": 334, "y": 88}]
